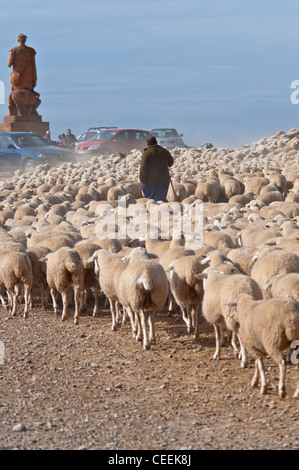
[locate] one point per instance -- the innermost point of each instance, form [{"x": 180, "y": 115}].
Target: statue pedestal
[{"x": 24, "y": 123}]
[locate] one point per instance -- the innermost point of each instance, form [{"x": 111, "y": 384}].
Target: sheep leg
[
  {"x": 9, "y": 300},
  {"x": 221, "y": 336},
  {"x": 138, "y": 327},
  {"x": 234, "y": 344},
  {"x": 4, "y": 304},
  {"x": 217, "y": 330},
  {"x": 13, "y": 298},
  {"x": 146, "y": 343},
  {"x": 96, "y": 301},
  {"x": 260, "y": 366},
  {"x": 27, "y": 298},
  {"x": 196, "y": 313},
  {"x": 65, "y": 299},
  {"x": 170, "y": 305},
  {"x": 186, "y": 315},
  {"x": 43, "y": 295},
  {"x": 282, "y": 373},
  {"x": 151, "y": 323},
  {"x": 106, "y": 302},
  {"x": 54, "y": 300},
  {"x": 296, "y": 394},
  {"x": 77, "y": 304},
  {"x": 255, "y": 379},
  {"x": 113, "y": 314},
  {"x": 83, "y": 301},
  {"x": 130, "y": 314},
  {"x": 242, "y": 355},
  {"x": 118, "y": 313}
]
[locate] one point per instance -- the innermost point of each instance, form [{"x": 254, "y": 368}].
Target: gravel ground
[{"x": 85, "y": 387}]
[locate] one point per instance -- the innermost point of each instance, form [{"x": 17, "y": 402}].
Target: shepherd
[{"x": 154, "y": 173}]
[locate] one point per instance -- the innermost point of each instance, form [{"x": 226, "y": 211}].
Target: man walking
[
  {"x": 154, "y": 173},
  {"x": 70, "y": 140}
]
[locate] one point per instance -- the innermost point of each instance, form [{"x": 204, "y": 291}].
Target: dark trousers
[{"x": 156, "y": 191}]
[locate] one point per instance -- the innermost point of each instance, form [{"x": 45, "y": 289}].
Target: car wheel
[{"x": 28, "y": 164}]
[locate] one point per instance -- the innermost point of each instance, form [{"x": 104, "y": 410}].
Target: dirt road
[{"x": 85, "y": 387}]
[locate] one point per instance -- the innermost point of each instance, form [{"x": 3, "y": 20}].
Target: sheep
[
  {"x": 253, "y": 237},
  {"x": 255, "y": 184},
  {"x": 222, "y": 263},
  {"x": 219, "y": 290},
  {"x": 112, "y": 245},
  {"x": 271, "y": 263},
  {"x": 173, "y": 253},
  {"x": 156, "y": 246},
  {"x": 267, "y": 328},
  {"x": 208, "y": 190},
  {"x": 143, "y": 290},
  {"x": 217, "y": 238},
  {"x": 16, "y": 269},
  {"x": 242, "y": 259},
  {"x": 187, "y": 290},
  {"x": 65, "y": 270},
  {"x": 109, "y": 267},
  {"x": 86, "y": 248},
  {"x": 39, "y": 268},
  {"x": 52, "y": 240},
  {"x": 284, "y": 285}
]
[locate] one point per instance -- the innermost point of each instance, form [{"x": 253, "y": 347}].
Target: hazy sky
[{"x": 219, "y": 71}]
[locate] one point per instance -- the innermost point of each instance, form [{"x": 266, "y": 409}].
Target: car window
[
  {"x": 124, "y": 136},
  {"x": 6, "y": 141},
  {"x": 83, "y": 137},
  {"x": 139, "y": 135},
  {"x": 164, "y": 133},
  {"x": 104, "y": 135},
  {"x": 30, "y": 140}
]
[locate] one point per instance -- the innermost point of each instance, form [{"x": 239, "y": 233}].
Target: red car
[{"x": 114, "y": 141}]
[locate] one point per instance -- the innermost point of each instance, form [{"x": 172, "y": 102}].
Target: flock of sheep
[{"x": 243, "y": 279}]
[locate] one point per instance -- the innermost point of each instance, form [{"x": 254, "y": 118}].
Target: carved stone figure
[{"x": 23, "y": 100}]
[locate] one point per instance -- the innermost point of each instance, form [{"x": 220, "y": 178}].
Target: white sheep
[
  {"x": 220, "y": 290},
  {"x": 219, "y": 261},
  {"x": 268, "y": 328},
  {"x": 109, "y": 266},
  {"x": 271, "y": 263},
  {"x": 15, "y": 270},
  {"x": 187, "y": 289},
  {"x": 143, "y": 288},
  {"x": 65, "y": 271}
]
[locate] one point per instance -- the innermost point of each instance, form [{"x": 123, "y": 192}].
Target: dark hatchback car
[{"x": 27, "y": 149}]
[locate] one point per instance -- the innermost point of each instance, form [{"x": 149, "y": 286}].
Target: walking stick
[{"x": 175, "y": 195}]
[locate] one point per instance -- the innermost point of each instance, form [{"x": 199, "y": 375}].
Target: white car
[{"x": 168, "y": 136}]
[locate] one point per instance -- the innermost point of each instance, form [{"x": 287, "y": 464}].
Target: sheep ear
[
  {"x": 267, "y": 285},
  {"x": 44, "y": 260},
  {"x": 201, "y": 276},
  {"x": 152, "y": 256},
  {"x": 231, "y": 304},
  {"x": 171, "y": 266},
  {"x": 254, "y": 259},
  {"x": 205, "y": 260},
  {"x": 228, "y": 260},
  {"x": 91, "y": 259},
  {"x": 96, "y": 266}
]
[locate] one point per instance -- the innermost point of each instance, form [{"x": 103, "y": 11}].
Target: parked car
[
  {"x": 91, "y": 132},
  {"x": 168, "y": 137},
  {"x": 114, "y": 141},
  {"x": 27, "y": 149}
]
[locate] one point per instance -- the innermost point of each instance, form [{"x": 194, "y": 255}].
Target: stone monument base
[{"x": 24, "y": 123}]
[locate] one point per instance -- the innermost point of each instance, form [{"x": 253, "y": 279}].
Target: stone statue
[{"x": 23, "y": 100}]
